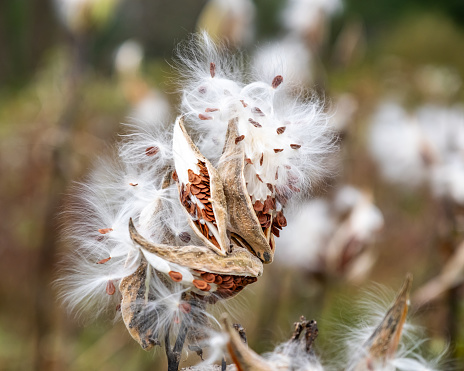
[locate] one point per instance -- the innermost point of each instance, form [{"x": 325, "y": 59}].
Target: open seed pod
[
  {"x": 244, "y": 358},
  {"x": 383, "y": 343},
  {"x": 133, "y": 290},
  {"x": 244, "y": 223},
  {"x": 208, "y": 274},
  {"x": 200, "y": 191}
]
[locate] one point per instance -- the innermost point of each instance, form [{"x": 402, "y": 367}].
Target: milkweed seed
[
  {"x": 185, "y": 307},
  {"x": 175, "y": 276},
  {"x": 200, "y": 284},
  {"x": 184, "y": 237},
  {"x": 261, "y": 159},
  {"x": 211, "y": 109},
  {"x": 204, "y": 117},
  {"x": 133, "y": 184},
  {"x": 243, "y": 103},
  {"x": 277, "y": 150},
  {"x": 295, "y": 146},
  {"x": 239, "y": 139},
  {"x": 255, "y": 123},
  {"x": 281, "y": 130},
  {"x": 110, "y": 289},
  {"x": 212, "y": 69},
  {"x": 105, "y": 230},
  {"x": 208, "y": 277},
  {"x": 277, "y": 81},
  {"x": 151, "y": 151},
  {"x": 103, "y": 261},
  {"x": 257, "y": 111}
]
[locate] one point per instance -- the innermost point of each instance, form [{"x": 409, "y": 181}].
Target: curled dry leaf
[
  {"x": 200, "y": 191},
  {"x": 244, "y": 224}
]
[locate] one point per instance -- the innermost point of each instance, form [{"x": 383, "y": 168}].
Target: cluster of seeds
[
  {"x": 223, "y": 286},
  {"x": 195, "y": 197}
]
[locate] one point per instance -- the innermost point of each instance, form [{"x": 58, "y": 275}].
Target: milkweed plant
[{"x": 188, "y": 212}]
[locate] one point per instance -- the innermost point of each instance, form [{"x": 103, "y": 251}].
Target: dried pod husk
[
  {"x": 244, "y": 224},
  {"x": 239, "y": 262},
  {"x": 244, "y": 357},
  {"x": 200, "y": 191},
  {"x": 383, "y": 343},
  {"x": 134, "y": 293}
]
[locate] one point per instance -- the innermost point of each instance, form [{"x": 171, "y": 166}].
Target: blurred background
[{"x": 391, "y": 75}]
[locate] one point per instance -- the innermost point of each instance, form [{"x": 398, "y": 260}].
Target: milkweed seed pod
[{"x": 186, "y": 216}]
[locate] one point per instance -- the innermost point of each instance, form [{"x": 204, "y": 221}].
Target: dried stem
[{"x": 174, "y": 354}]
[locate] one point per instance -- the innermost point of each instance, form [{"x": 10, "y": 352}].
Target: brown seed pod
[
  {"x": 238, "y": 261},
  {"x": 243, "y": 222},
  {"x": 210, "y": 191},
  {"x": 383, "y": 343},
  {"x": 133, "y": 288}
]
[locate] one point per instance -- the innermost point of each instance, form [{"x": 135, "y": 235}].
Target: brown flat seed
[
  {"x": 218, "y": 280},
  {"x": 257, "y": 111},
  {"x": 174, "y": 176},
  {"x": 237, "y": 279},
  {"x": 202, "y": 186},
  {"x": 202, "y": 90},
  {"x": 259, "y": 178},
  {"x": 239, "y": 139},
  {"x": 103, "y": 261},
  {"x": 191, "y": 175},
  {"x": 151, "y": 151},
  {"x": 243, "y": 103},
  {"x": 212, "y": 69},
  {"x": 200, "y": 284},
  {"x": 281, "y": 130},
  {"x": 255, "y": 123},
  {"x": 277, "y": 81},
  {"x": 277, "y": 174},
  {"x": 105, "y": 230},
  {"x": 293, "y": 188},
  {"x": 133, "y": 184},
  {"x": 281, "y": 220},
  {"x": 258, "y": 206},
  {"x": 295, "y": 146},
  {"x": 175, "y": 276},
  {"x": 209, "y": 277},
  {"x": 194, "y": 190},
  {"x": 277, "y": 150},
  {"x": 227, "y": 284},
  {"x": 211, "y": 109},
  {"x": 185, "y": 307},
  {"x": 110, "y": 289},
  {"x": 261, "y": 159},
  {"x": 248, "y": 161},
  {"x": 185, "y": 237},
  {"x": 200, "y": 196},
  {"x": 204, "y": 117},
  {"x": 226, "y": 278},
  {"x": 275, "y": 231},
  {"x": 270, "y": 187}
]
